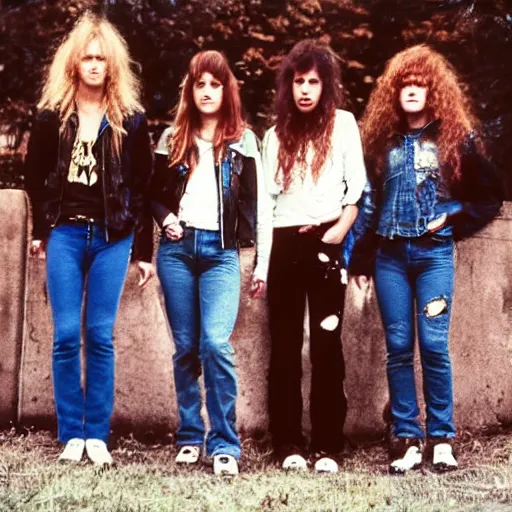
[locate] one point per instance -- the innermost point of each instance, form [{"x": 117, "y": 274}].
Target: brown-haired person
[
  {"x": 87, "y": 169},
  {"x": 205, "y": 195},
  {"x": 430, "y": 185},
  {"x": 314, "y": 170}
]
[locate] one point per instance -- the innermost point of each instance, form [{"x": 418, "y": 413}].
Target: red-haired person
[
  {"x": 87, "y": 169},
  {"x": 429, "y": 184},
  {"x": 314, "y": 170},
  {"x": 204, "y": 194}
]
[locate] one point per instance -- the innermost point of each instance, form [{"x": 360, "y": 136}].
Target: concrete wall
[
  {"x": 145, "y": 400},
  {"x": 13, "y": 260}
]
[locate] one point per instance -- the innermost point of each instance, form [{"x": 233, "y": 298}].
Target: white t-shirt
[
  {"x": 199, "y": 206},
  {"x": 340, "y": 183}
]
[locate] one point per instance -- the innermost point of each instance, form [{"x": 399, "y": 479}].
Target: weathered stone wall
[
  {"x": 481, "y": 342},
  {"x": 13, "y": 261}
]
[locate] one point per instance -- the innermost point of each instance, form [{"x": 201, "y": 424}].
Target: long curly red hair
[
  {"x": 446, "y": 102},
  {"x": 295, "y": 130},
  {"x": 187, "y": 122}
]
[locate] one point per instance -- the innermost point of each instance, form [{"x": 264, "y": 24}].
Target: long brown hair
[
  {"x": 182, "y": 147},
  {"x": 295, "y": 130},
  {"x": 446, "y": 103},
  {"x": 122, "y": 88}
]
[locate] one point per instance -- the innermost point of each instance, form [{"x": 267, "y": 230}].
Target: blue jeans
[
  {"x": 419, "y": 272},
  {"x": 201, "y": 285},
  {"x": 77, "y": 257}
]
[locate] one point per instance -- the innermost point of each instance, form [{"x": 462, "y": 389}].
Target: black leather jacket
[
  {"x": 124, "y": 179},
  {"x": 237, "y": 186}
]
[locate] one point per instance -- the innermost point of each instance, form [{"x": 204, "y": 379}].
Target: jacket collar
[{"x": 429, "y": 128}]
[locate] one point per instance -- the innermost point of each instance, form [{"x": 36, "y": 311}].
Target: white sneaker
[
  {"x": 326, "y": 465},
  {"x": 411, "y": 460},
  {"x": 443, "y": 458},
  {"x": 73, "y": 450},
  {"x": 188, "y": 454},
  {"x": 98, "y": 452},
  {"x": 225, "y": 465},
  {"x": 295, "y": 462}
]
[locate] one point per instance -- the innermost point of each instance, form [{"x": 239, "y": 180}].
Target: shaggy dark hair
[{"x": 296, "y": 130}]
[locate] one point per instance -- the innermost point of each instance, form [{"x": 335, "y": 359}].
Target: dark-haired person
[
  {"x": 314, "y": 170},
  {"x": 430, "y": 184},
  {"x": 87, "y": 170},
  {"x": 205, "y": 195}
]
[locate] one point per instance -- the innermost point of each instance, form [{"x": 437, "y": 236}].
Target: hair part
[
  {"x": 295, "y": 130},
  {"x": 121, "y": 89},
  {"x": 230, "y": 126},
  {"x": 446, "y": 102}
]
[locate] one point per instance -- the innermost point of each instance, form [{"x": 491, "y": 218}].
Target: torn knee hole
[{"x": 435, "y": 307}]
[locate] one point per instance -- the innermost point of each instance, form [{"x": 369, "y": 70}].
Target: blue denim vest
[{"x": 412, "y": 193}]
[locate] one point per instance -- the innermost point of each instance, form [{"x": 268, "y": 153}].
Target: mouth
[{"x": 305, "y": 103}]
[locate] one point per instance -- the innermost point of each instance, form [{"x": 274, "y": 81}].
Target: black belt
[{"x": 78, "y": 219}]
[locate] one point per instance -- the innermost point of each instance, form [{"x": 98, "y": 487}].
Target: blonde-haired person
[
  {"x": 87, "y": 169},
  {"x": 430, "y": 184},
  {"x": 206, "y": 194}
]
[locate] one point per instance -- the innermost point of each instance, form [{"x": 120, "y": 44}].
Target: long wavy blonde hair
[
  {"x": 446, "y": 102},
  {"x": 122, "y": 87}
]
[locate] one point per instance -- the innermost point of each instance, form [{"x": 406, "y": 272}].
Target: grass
[{"x": 146, "y": 479}]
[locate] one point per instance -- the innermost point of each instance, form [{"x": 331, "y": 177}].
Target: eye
[
  {"x": 314, "y": 81},
  {"x": 200, "y": 84},
  {"x": 299, "y": 81},
  {"x": 215, "y": 84}
]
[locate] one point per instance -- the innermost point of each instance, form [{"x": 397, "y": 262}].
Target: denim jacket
[
  {"x": 237, "y": 185},
  {"x": 412, "y": 194}
]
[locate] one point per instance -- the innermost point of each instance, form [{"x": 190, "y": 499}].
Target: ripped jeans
[
  {"x": 409, "y": 272},
  {"x": 301, "y": 266},
  {"x": 201, "y": 285}
]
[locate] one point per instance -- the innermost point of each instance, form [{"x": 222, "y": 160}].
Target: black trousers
[{"x": 301, "y": 266}]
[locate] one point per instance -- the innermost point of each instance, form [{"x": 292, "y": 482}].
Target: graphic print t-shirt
[{"x": 82, "y": 191}]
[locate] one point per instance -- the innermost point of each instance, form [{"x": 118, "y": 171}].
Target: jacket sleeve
[
  {"x": 481, "y": 192},
  {"x": 363, "y": 234},
  {"x": 41, "y": 158},
  {"x": 142, "y": 164},
  {"x": 248, "y": 195},
  {"x": 159, "y": 177}
]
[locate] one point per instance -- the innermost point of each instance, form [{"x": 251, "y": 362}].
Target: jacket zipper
[{"x": 104, "y": 193}]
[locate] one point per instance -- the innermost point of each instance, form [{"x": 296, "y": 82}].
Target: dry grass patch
[{"x": 146, "y": 479}]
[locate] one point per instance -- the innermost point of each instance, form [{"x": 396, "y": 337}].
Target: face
[
  {"x": 307, "y": 90},
  {"x": 413, "y": 99},
  {"x": 92, "y": 69},
  {"x": 207, "y": 93}
]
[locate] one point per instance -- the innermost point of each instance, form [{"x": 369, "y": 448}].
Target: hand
[
  {"x": 146, "y": 271},
  {"x": 437, "y": 224},
  {"x": 173, "y": 229},
  {"x": 362, "y": 282},
  {"x": 334, "y": 235},
  {"x": 257, "y": 288},
  {"x": 37, "y": 248},
  {"x": 305, "y": 229}
]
